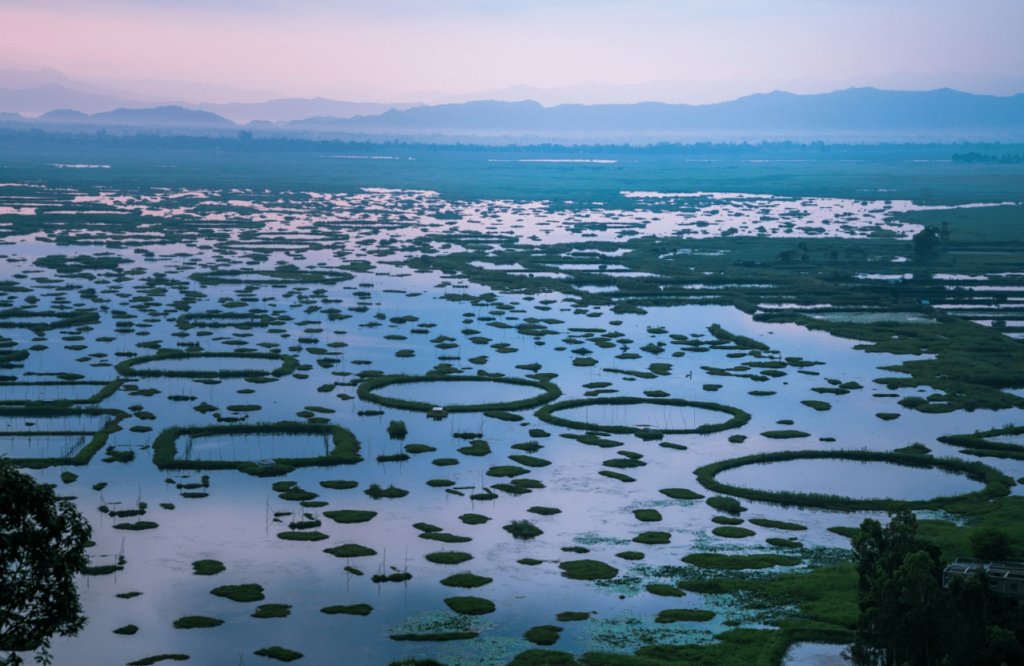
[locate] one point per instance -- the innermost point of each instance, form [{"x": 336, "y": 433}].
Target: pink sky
[{"x": 372, "y": 49}]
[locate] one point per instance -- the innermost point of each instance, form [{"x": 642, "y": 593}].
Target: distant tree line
[
  {"x": 270, "y": 141},
  {"x": 972, "y": 158}
]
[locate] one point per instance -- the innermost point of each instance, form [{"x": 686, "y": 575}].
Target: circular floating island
[
  {"x": 173, "y": 363},
  {"x": 423, "y": 393},
  {"x": 581, "y": 408},
  {"x": 870, "y": 480}
]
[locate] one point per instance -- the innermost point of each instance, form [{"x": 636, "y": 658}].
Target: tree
[
  {"x": 898, "y": 582},
  {"x": 42, "y": 548},
  {"x": 931, "y": 241},
  {"x": 989, "y": 543}
]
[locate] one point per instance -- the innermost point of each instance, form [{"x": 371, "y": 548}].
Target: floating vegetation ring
[
  {"x": 128, "y": 367},
  {"x": 345, "y": 451},
  {"x": 40, "y": 321},
  {"x": 366, "y": 392},
  {"x": 996, "y": 483},
  {"x": 547, "y": 414}
]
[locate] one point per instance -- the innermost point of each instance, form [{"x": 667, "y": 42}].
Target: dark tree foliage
[
  {"x": 42, "y": 547},
  {"x": 989, "y": 543},
  {"x": 931, "y": 242},
  {"x": 908, "y": 617}
]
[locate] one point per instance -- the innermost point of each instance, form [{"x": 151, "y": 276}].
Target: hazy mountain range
[{"x": 865, "y": 112}]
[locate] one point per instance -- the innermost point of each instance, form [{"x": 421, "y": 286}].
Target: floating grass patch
[
  {"x": 647, "y": 515},
  {"x": 587, "y": 570},
  {"x": 242, "y": 593},
  {"x": 128, "y": 595},
  {"x": 136, "y": 527},
  {"x": 887, "y": 416},
  {"x": 393, "y": 457},
  {"x": 530, "y": 561},
  {"x": 785, "y": 434},
  {"x": 523, "y": 530},
  {"x": 631, "y": 555},
  {"x": 726, "y": 520},
  {"x": 529, "y": 461},
  {"x": 149, "y": 661},
  {"x": 783, "y": 543},
  {"x": 448, "y": 557},
  {"x": 726, "y": 504},
  {"x": 663, "y": 590},
  {"x": 391, "y": 492},
  {"x": 267, "y": 611},
  {"x": 207, "y": 567},
  {"x": 546, "y": 634},
  {"x": 348, "y": 516},
  {"x": 740, "y": 562},
  {"x": 476, "y": 447},
  {"x": 731, "y": 532},
  {"x": 444, "y": 462},
  {"x": 572, "y": 616},
  {"x": 466, "y": 580},
  {"x": 625, "y": 478},
  {"x": 544, "y": 510},
  {"x": 354, "y": 609},
  {"x": 653, "y": 538},
  {"x": 997, "y": 484},
  {"x": 470, "y": 605},
  {"x": 279, "y": 653},
  {"x": 473, "y": 519},
  {"x": 427, "y": 527},
  {"x": 419, "y": 448},
  {"x": 916, "y": 447},
  {"x": 506, "y": 471},
  {"x": 302, "y": 536},
  {"x": 848, "y": 532},
  {"x": 681, "y": 494},
  {"x": 339, "y": 485},
  {"x": 397, "y": 430},
  {"x": 683, "y": 615},
  {"x": 197, "y": 622},
  {"x": 777, "y": 524},
  {"x": 817, "y": 405},
  {"x": 350, "y": 550},
  {"x": 444, "y": 537},
  {"x": 738, "y": 417},
  {"x": 126, "y": 630}
]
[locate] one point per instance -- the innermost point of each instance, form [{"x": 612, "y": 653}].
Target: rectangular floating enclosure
[
  {"x": 175, "y": 447},
  {"x": 39, "y": 437},
  {"x": 71, "y": 393}
]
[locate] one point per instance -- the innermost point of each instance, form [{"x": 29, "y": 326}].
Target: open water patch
[{"x": 459, "y": 393}]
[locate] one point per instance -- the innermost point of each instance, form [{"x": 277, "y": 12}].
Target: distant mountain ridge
[
  {"x": 874, "y": 115},
  {"x": 161, "y": 116},
  {"x": 855, "y": 109}
]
